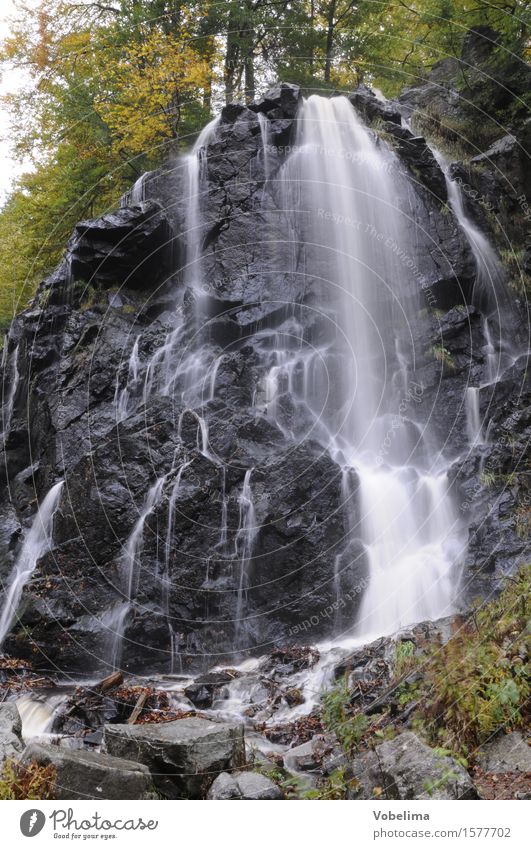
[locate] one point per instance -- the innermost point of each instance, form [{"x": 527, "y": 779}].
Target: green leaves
[
  {"x": 337, "y": 716},
  {"x": 479, "y": 678}
]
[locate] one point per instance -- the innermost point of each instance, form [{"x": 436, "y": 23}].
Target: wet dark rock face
[{"x": 118, "y": 283}]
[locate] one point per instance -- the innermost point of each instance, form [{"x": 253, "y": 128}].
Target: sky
[{"x": 9, "y": 168}]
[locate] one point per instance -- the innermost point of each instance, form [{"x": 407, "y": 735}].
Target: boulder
[
  {"x": 91, "y": 775},
  {"x": 308, "y": 757},
  {"x": 244, "y": 785},
  {"x": 10, "y": 732},
  {"x": 418, "y": 158},
  {"x": 371, "y": 108},
  {"x": 130, "y": 246},
  {"x": 506, "y": 753},
  {"x": 284, "y": 97},
  {"x": 409, "y": 769},
  {"x": 184, "y": 756},
  {"x": 207, "y": 687}
]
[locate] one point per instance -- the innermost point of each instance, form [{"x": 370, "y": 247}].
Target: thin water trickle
[
  {"x": 9, "y": 399},
  {"x": 473, "y": 418},
  {"x": 130, "y": 565},
  {"x": 123, "y": 397},
  {"x": 243, "y": 547},
  {"x": 38, "y": 541},
  {"x": 172, "y": 503}
]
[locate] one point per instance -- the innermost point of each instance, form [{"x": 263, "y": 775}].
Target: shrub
[
  {"x": 479, "y": 678},
  {"x": 337, "y": 716},
  {"x": 32, "y": 781}
]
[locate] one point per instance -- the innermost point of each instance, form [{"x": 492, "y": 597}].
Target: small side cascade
[
  {"x": 490, "y": 290},
  {"x": 223, "y": 530},
  {"x": 123, "y": 398},
  {"x": 9, "y": 398},
  {"x": 264, "y": 153},
  {"x": 243, "y": 547},
  {"x": 169, "y": 536},
  {"x": 196, "y": 163},
  {"x": 203, "y": 444},
  {"x": 166, "y": 576},
  {"x": 38, "y": 541},
  {"x": 296, "y": 368},
  {"x": 169, "y": 370},
  {"x": 130, "y": 565},
  {"x": 161, "y": 372},
  {"x": 37, "y": 712},
  {"x": 137, "y": 193},
  {"x": 473, "y": 419},
  {"x": 211, "y": 379}
]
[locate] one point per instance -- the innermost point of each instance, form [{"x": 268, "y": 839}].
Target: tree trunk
[
  {"x": 330, "y": 39},
  {"x": 250, "y": 85},
  {"x": 312, "y": 35},
  {"x": 232, "y": 56}
]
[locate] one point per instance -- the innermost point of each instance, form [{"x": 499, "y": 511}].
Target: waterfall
[
  {"x": 223, "y": 531},
  {"x": 265, "y": 135},
  {"x": 473, "y": 418},
  {"x": 243, "y": 547},
  {"x": 169, "y": 536},
  {"x": 137, "y": 193},
  {"x": 345, "y": 189},
  {"x": 166, "y": 577},
  {"x": 169, "y": 368},
  {"x": 130, "y": 566},
  {"x": 202, "y": 440},
  {"x": 9, "y": 401},
  {"x": 36, "y": 544},
  {"x": 490, "y": 291},
  {"x": 123, "y": 398},
  {"x": 195, "y": 169}
]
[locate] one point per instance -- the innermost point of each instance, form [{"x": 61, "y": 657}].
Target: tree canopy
[{"x": 112, "y": 87}]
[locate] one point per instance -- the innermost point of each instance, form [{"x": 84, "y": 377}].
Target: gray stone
[
  {"x": 223, "y": 788},
  {"x": 364, "y": 776},
  {"x": 184, "y": 756},
  {"x": 412, "y": 770},
  {"x": 91, "y": 775},
  {"x": 315, "y": 756},
  {"x": 253, "y": 785},
  {"x": 506, "y": 753},
  {"x": 10, "y": 732},
  {"x": 302, "y": 758},
  {"x": 244, "y": 785}
]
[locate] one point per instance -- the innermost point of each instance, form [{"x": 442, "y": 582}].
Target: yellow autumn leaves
[{"x": 149, "y": 86}]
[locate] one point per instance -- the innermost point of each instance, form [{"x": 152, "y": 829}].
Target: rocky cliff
[{"x": 74, "y": 374}]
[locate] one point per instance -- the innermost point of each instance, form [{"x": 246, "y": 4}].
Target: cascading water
[
  {"x": 168, "y": 370},
  {"x": 473, "y": 417},
  {"x": 130, "y": 566},
  {"x": 344, "y": 190},
  {"x": 490, "y": 291},
  {"x": 123, "y": 398},
  {"x": 36, "y": 544},
  {"x": 243, "y": 548},
  {"x": 166, "y": 577},
  {"x": 9, "y": 399}
]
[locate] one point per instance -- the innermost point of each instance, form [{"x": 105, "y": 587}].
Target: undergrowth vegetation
[
  {"x": 454, "y": 696},
  {"x": 31, "y": 781}
]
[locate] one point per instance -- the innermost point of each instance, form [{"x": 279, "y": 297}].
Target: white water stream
[
  {"x": 130, "y": 566},
  {"x": 36, "y": 544},
  {"x": 341, "y": 184}
]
